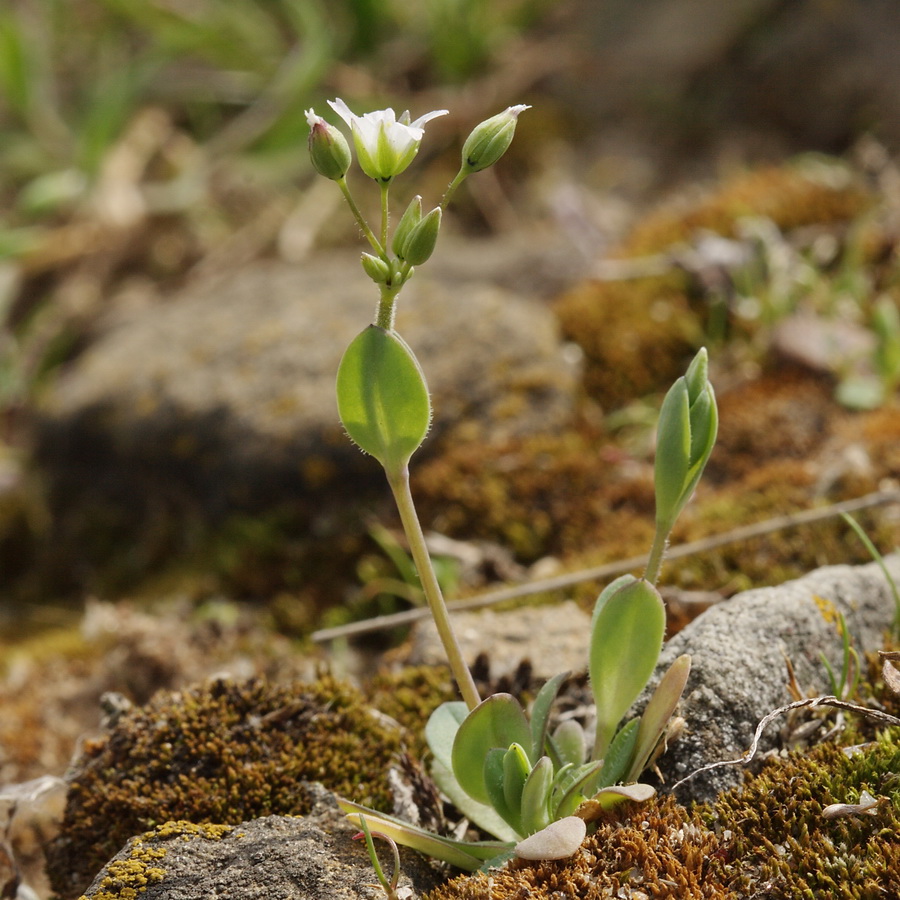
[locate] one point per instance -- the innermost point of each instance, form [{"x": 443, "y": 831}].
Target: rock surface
[
  {"x": 304, "y": 858},
  {"x": 228, "y": 390},
  {"x": 553, "y": 639},
  {"x": 740, "y": 651}
]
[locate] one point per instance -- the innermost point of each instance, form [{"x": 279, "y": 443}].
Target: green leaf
[
  {"x": 441, "y": 728},
  {"x": 571, "y": 788},
  {"x": 658, "y": 712},
  {"x": 568, "y": 743},
  {"x": 498, "y": 721},
  {"x": 383, "y": 398},
  {"x": 673, "y": 451},
  {"x": 481, "y": 814},
  {"x": 618, "y": 757},
  {"x": 495, "y": 783},
  {"x": 540, "y": 713},
  {"x": 467, "y": 855},
  {"x": 626, "y": 640},
  {"x": 607, "y": 592},
  {"x": 516, "y": 769},
  {"x": 536, "y": 797}
]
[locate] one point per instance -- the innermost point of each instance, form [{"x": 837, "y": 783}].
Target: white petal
[
  {"x": 559, "y": 840},
  {"x": 429, "y": 116},
  {"x": 342, "y": 110},
  {"x": 311, "y": 118}
]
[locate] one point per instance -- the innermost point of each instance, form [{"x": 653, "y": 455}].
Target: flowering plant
[{"x": 534, "y": 789}]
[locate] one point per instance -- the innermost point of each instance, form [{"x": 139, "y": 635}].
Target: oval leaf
[
  {"x": 496, "y": 722},
  {"x": 626, "y": 639},
  {"x": 559, "y": 840},
  {"x": 382, "y": 397}
]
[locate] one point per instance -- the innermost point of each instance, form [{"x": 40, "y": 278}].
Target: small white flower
[{"x": 385, "y": 145}]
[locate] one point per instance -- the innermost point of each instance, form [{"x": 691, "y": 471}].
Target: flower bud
[
  {"x": 490, "y": 140},
  {"x": 408, "y": 221},
  {"x": 422, "y": 239},
  {"x": 688, "y": 422},
  {"x": 328, "y": 148},
  {"x": 377, "y": 269}
]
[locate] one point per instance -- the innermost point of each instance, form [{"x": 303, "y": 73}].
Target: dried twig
[
  {"x": 608, "y": 570},
  {"x": 811, "y": 703}
]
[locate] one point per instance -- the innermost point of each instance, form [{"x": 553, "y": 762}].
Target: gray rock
[
  {"x": 553, "y": 639},
  {"x": 228, "y": 389},
  {"x": 739, "y": 673},
  {"x": 273, "y": 858}
]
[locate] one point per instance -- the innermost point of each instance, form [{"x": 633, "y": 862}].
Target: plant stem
[
  {"x": 458, "y": 179},
  {"x": 360, "y": 220},
  {"x": 385, "y": 187},
  {"x": 384, "y": 317},
  {"x": 657, "y": 552},
  {"x": 399, "y": 482}
]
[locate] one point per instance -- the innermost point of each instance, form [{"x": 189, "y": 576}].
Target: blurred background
[{"x": 148, "y": 147}]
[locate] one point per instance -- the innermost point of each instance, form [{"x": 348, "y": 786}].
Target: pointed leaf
[
  {"x": 673, "y": 451},
  {"x": 516, "y": 769},
  {"x": 658, "y": 712},
  {"x": 382, "y": 397},
  {"x": 573, "y": 794},
  {"x": 495, "y": 784},
  {"x": 466, "y": 855},
  {"x": 540, "y": 713},
  {"x": 498, "y": 721},
  {"x": 618, "y": 757},
  {"x": 625, "y": 644},
  {"x": 536, "y": 797}
]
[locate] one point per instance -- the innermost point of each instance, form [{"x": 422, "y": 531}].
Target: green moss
[
  {"x": 767, "y": 839},
  {"x": 410, "y": 695},
  {"x": 222, "y": 753},
  {"x": 781, "y": 840}
]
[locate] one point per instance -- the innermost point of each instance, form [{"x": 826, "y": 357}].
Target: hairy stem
[
  {"x": 399, "y": 482},
  {"x": 657, "y": 552},
  {"x": 377, "y": 246}
]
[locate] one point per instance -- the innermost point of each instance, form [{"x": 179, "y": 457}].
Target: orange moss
[
  {"x": 790, "y": 195},
  {"x": 549, "y": 494}
]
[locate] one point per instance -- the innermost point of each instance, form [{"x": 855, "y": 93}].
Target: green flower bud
[
  {"x": 408, "y": 221},
  {"x": 420, "y": 244},
  {"x": 328, "y": 148},
  {"x": 688, "y": 422},
  {"x": 377, "y": 269},
  {"x": 490, "y": 140}
]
